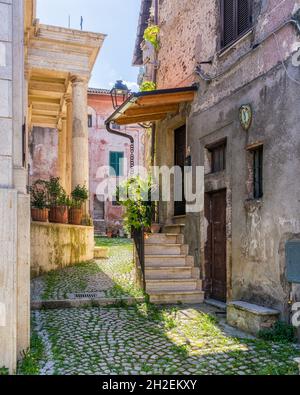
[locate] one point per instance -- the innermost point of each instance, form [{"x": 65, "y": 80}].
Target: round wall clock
[{"x": 246, "y": 116}]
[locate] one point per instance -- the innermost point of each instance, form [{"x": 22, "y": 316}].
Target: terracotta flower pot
[
  {"x": 75, "y": 216},
  {"x": 39, "y": 214},
  {"x": 59, "y": 215},
  {"x": 109, "y": 234},
  {"x": 155, "y": 228}
]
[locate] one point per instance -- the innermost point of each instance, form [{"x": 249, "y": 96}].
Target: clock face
[{"x": 246, "y": 116}]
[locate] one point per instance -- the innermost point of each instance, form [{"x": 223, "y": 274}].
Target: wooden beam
[
  {"x": 43, "y": 99},
  {"x": 147, "y": 110},
  {"x": 47, "y": 86},
  {"x": 45, "y": 94},
  {"x": 170, "y": 98},
  {"x": 45, "y": 106},
  {"x": 139, "y": 119},
  {"x": 44, "y": 112}
]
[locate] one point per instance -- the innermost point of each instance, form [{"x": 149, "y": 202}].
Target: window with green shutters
[{"x": 116, "y": 160}]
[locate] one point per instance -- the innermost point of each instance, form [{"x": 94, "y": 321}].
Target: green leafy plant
[
  {"x": 79, "y": 196},
  {"x": 57, "y": 195},
  {"x": 147, "y": 86},
  {"x": 4, "y": 371},
  {"x": 39, "y": 194},
  {"x": 151, "y": 35},
  {"x": 134, "y": 195},
  {"x": 280, "y": 333}
]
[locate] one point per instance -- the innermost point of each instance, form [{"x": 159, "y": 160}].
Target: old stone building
[
  {"x": 242, "y": 126},
  {"x": 104, "y": 150},
  {"x": 44, "y": 74}
]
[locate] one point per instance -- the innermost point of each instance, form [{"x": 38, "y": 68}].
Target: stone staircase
[{"x": 171, "y": 276}]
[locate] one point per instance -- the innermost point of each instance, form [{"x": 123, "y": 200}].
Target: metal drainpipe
[{"x": 127, "y": 136}]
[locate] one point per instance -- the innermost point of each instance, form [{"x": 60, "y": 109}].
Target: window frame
[
  {"x": 238, "y": 36},
  {"x": 211, "y": 148},
  {"x": 258, "y": 185},
  {"x": 90, "y": 120},
  {"x": 120, "y": 172}
]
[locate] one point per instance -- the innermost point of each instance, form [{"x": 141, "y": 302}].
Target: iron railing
[{"x": 138, "y": 236}]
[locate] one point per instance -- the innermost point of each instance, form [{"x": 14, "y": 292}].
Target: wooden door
[
  {"x": 180, "y": 155},
  {"x": 215, "y": 249}
]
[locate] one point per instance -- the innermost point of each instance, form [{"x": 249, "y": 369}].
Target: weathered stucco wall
[
  {"x": 54, "y": 246},
  {"x": 43, "y": 148},
  {"x": 256, "y": 231}
]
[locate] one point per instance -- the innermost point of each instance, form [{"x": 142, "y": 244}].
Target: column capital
[{"x": 79, "y": 79}]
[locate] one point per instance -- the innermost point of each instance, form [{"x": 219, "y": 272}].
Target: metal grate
[{"x": 86, "y": 295}]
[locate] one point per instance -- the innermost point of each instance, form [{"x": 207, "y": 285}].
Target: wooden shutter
[
  {"x": 236, "y": 19},
  {"x": 244, "y": 16},
  {"x": 229, "y": 21}
]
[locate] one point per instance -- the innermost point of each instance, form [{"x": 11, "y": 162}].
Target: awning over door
[{"x": 151, "y": 106}]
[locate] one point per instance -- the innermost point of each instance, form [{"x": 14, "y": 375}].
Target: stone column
[
  {"x": 62, "y": 152},
  {"x": 68, "y": 100},
  {"x": 80, "y": 142}
]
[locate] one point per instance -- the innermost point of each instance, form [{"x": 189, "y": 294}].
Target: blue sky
[{"x": 116, "y": 18}]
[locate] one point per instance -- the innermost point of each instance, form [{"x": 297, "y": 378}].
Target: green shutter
[{"x": 116, "y": 164}]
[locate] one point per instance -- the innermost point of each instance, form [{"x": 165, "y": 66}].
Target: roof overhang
[{"x": 152, "y": 106}]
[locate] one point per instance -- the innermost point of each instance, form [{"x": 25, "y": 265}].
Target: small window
[
  {"x": 257, "y": 154},
  {"x": 236, "y": 19},
  {"x": 218, "y": 157},
  {"x": 90, "y": 121},
  {"x": 116, "y": 163}
]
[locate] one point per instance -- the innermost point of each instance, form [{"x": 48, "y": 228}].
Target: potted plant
[
  {"x": 58, "y": 202},
  {"x": 135, "y": 196},
  {"x": 109, "y": 229},
  {"x": 79, "y": 196},
  {"x": 39, "y": 201}
]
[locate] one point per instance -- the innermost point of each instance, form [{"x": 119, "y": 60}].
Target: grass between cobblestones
[
  {"x": 142, "y": 339},
  {"x": 145, "y": 339},
  {"x": 114, "y": 277}
]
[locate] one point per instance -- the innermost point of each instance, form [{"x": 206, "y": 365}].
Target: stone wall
[
  {"x": 14, "y": 201},
  {"x": 256, "y": 231},
  {"x": 55, "y": 246}
]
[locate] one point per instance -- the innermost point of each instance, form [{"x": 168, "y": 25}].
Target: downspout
[{"x": 124, "y": 135}]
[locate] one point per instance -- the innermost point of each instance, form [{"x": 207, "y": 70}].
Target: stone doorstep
[
  {"x": 80, "y": 303},
  {"x": 253, "y": 308}
]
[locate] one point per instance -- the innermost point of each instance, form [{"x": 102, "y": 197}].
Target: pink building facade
[{"x": 103, "y": 149}]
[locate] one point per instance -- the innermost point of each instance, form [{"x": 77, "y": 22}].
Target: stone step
[
  {"x": 169, "y": 260},
  {"x": 162, "y": 238},
  {"x": 179, "y": 219},
  {"x": 188, "y": 284},
  {"x": 174, "y": 228},
  {"x": 178, "y": 296},
  {"x": 183, "y": 272},
  {"x": 166, "y": 249}
]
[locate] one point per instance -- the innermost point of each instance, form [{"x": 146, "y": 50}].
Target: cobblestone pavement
[
  {"x": 113, "y": 277},
  {"x": 142, "y": 339},
  {"x": 147, "y": 340}
]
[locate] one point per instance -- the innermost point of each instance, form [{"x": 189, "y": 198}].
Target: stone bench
[{"x": 249, "y": 317}]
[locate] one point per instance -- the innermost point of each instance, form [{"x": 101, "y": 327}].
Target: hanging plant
[
  {"x": 148, "y": 86},
  {"x": 151, "y": 35}
]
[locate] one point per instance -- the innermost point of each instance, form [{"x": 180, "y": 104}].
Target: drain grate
[{"x": 86, "y": 295}]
